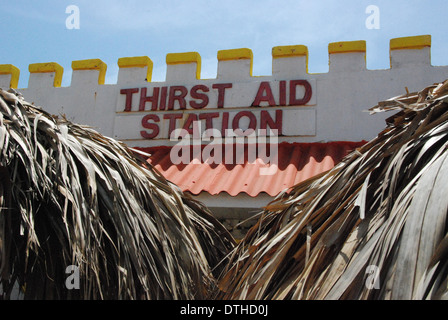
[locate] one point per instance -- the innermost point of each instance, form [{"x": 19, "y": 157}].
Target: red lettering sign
[
  {"x": 239, "y": 115},
  {"x": 267, "y": 121},
  {"x": 177, "y": 93},
  {"x": 264, "y": 94},
  {"x": 148, "y": 125},
  {"x": 208, "y": 117},
  {"x": 172, "y": 117},
  {"x": 179, "y": 97},
  {"x": 154, "y": 99},
  {"x": 221, "y": 92},
  {"x": 128, "y": 93},
  {"x": 293, "y": 101},
  {"x": 197, "y": 97},
  {"x": 188, "y": 125}
]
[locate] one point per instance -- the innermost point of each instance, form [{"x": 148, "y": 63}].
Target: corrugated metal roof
[{"x": 296, "y": 162}]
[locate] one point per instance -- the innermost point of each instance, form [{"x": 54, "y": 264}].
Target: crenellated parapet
[
  {"x": 9, "y": 75},
  {"x": 134, "y": 69},
  {"x": 45, "y": 74},
  {"x": 88, "y": 72},
  {"x": 287, "y": 60},
  {"x": 235, "y": 64},
  {"x": 306, "y": 106}
]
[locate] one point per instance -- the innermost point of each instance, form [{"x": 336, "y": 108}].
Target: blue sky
[{"x": 35, "y": 31}]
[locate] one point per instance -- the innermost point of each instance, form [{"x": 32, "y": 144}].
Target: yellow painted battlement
[
  {"x": 346, "y": 56},
  {"x": 185, "y": 58},
  {"x": 289, "y": 51},
  {"x": 137, "y": 62},
  {"x": 347, "y": 46},
  {"x": 91, "y": 64},
  {"x": 416, "y": 42},
  {"x": 47, "y": 68},
  {"x": 235, "y": 54},
  {"x": 13, "y": 72}
]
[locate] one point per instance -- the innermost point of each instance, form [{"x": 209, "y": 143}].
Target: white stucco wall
[{"x": 335, "y": 112}]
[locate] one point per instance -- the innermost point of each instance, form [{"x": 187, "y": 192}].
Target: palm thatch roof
[
  {"x": 72, "y": 197},
  {"x": 373, "y": 227}
]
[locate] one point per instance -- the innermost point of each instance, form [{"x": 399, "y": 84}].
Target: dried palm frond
[
  {"x": 373, "y": 227},
  {"x": 72, "y": 197}
]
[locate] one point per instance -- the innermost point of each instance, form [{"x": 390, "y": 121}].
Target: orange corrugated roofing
[{"x": 296, "y": 162}]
